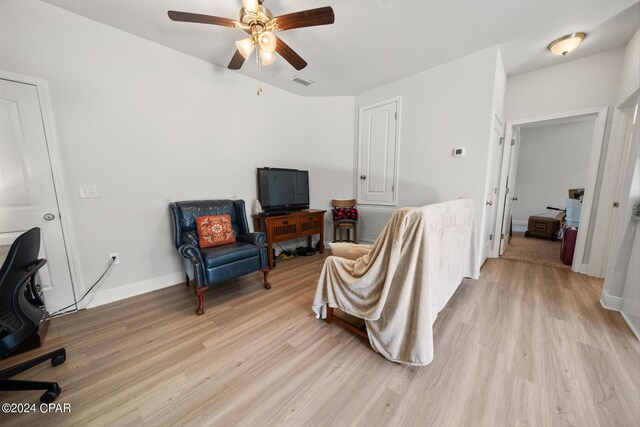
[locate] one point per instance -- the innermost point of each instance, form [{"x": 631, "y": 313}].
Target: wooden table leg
[
  {"x": 309, "y": 241},
  {"x": 270, "y": 254},
  {"x": 329, "y": 318}
]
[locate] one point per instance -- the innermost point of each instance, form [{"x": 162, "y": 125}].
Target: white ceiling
[{"x": 374, "y": 42}]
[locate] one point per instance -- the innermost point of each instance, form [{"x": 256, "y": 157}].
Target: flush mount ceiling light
[{"x": 566, "y": 44}]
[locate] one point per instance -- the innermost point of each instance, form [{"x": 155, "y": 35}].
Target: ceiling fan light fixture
[
  {"x": 565, "y": 44},
  {"x": 245, "y": 47},
  {"x": 260, "y": 24},
  {"x": 266, "y": 57},
  {"x": 267, "y": 41}
]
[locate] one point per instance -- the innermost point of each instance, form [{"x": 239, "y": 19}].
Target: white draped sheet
[{"x": 406, "y": 279}]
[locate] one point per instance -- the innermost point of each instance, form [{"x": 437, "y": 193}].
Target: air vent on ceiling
[{"x": 302, "y": 81}]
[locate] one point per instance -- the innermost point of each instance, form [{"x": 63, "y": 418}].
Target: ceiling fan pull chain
[{"x": 258, "y": 72}]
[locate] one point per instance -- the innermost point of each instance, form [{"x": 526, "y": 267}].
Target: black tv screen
[{"x": 283, "y": 189}]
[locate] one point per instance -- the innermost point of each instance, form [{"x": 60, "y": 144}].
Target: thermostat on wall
[{"x": 458, "y": 152}]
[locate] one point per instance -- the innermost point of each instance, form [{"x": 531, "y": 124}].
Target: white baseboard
[
  {"x": 112, "y": 295},
  {"x": 360, "y": 242},
  {"x": 615, "y": 303},
  {"x": 610, "y": 302},
  {"x": 630, "y": 324}
]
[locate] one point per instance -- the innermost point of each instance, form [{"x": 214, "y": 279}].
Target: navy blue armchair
[{"x": 208, "y": 266}]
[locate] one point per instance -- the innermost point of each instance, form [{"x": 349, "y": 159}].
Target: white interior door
[
  {"x": 491, "y": 198},
  {"x": 623, "y": 270},
  {"x": 377, "y": 154},
  {"x": 27, "y": 192},
  {"x": 514, "y": 151}
]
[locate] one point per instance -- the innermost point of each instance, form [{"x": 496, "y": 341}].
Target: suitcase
[
  {"x": 543, "y": 226},
  {"x": 568, "y": 245}
]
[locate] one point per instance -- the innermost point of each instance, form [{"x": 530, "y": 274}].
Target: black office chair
[{"x": 21, "y": 310}]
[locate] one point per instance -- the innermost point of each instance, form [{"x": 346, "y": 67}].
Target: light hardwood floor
[{"x": 524, "y": 345}]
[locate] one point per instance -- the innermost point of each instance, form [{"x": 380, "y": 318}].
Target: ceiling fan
[{"x": 261, "y": 25}]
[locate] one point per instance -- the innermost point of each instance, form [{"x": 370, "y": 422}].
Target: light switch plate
[{"x": 88, "y": 191}]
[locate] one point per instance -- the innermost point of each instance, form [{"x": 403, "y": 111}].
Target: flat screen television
[{"x": 283, "y": 190}]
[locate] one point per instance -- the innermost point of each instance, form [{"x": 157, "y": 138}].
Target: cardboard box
[
  {"x": 544, "y": 227},
  {"x": 576, "y": 193}
]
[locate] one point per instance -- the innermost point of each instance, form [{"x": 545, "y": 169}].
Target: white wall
[
  {"x": 630, "y": 72},
  {"x": 552, "y": 159},
  {"x": 589, "y": 82},
  {"x": 328, "y": 141},
  {"x": 149, "y": 125},
  {"x": 575, "y": 85},
  {"x": 442, "y": 108}
]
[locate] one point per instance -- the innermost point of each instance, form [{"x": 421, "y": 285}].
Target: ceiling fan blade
[
  {"x": 306, "y": 18},
  {"x": 290, "y": 55},
  {"x": 201, "y": 19},
  {"x": 236, "y": 61}
]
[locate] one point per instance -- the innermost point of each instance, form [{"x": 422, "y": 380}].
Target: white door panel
[
  {"x": 27, "y": 189},
  {"x": 377, "y": 154},
  {"x": 491, "y": 198},
  {"x": 511, "y": 187}
]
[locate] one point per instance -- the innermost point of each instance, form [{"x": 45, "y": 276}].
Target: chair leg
[
  {"x": 334, "y": 233},
  {"x": 199, "y": 294},
  {"x": 265, "y": 273},
  {"x": 24, "y": 385},
  {"x": 355, "y": 233},
  {"x": 52, "y": 390},
  {"x": 329, "y": 318},
  {"x": 186, "y": 277},
  {"x": 57, "y": 357}
]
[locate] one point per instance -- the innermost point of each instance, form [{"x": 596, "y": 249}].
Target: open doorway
[
  {"x": 547, "y": 187},
  {"x": 552, "y": 161}
]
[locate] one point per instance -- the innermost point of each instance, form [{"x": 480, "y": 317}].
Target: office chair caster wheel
[
  {"x": 58, "y": 359},
  {"x": 50, "y": 395}
]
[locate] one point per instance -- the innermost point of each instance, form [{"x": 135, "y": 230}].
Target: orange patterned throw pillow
[{"x": 214, "y": 230}]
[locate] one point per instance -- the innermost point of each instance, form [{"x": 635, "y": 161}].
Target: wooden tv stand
[{"x": 291, "y": 226}]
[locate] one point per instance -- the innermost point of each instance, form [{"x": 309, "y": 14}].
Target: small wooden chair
[{"x": 345, "y": 224}]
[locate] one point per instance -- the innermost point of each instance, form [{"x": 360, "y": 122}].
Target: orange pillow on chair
[{"x": 214, "y": 230}]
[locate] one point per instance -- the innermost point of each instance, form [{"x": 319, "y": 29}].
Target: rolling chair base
[{"x": 53, "y": 390}]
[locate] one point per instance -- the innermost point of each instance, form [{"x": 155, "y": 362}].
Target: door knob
[
  {"x": 363, "y": 176},
  {"x": 489, "y": 204},
  {"x": 49, "y": 217}
]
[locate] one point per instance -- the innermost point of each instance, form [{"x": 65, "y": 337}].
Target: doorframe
[
  {"x": 612, "y": 183},
  {"x": 361, "y": 110},
  {"x": 590, "y": 184},
  {"x": 55, "y": 162}
]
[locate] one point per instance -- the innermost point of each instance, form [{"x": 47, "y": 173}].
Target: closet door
[
  {"x": 27, "y": 190},
  {"x": 378, "y": 153}
]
